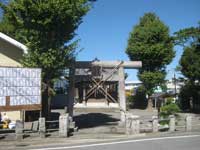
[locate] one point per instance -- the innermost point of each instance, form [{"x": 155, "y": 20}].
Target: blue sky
[{"x": 105, "y": 29}]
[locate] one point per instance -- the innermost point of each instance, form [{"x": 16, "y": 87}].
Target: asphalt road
[{"x": 190, "y": 142}]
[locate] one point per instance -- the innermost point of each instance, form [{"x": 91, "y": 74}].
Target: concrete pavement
[
  {"x": 59, "y": 143},
  {"x": 184, "y": 142}
]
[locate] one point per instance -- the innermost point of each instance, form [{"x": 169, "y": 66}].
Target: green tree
[
  {"x": 190, "y": 63},
  {"x": 47, "y": 28},
  {"x": 189, "y": 39},
  {"x": 151, "y": 43}
]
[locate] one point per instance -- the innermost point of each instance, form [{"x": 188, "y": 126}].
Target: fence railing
[
  {"x": 134, "y": 124},
  {"x": 52, "y": 125}
]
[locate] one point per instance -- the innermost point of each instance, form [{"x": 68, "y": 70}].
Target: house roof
[{"x": 14, "y": 42}]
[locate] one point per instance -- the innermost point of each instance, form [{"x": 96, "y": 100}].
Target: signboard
[
  {"x": 20, "y": 89},
  {"x": 157, "y": 89}
]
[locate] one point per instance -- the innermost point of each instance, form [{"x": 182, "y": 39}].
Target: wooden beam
[
  {"x": 21, "y": 107},
  {"x": 101, "y": 82}
]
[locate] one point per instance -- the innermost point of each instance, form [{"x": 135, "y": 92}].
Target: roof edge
[{"x": 14, "y": 42}]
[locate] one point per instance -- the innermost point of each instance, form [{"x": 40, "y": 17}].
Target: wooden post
[
  {"x": 121, "y": 93},
  {"x": 77, "y": 93},
  {"x": 106, "y": 95},
  {"x": 84, "y": 95},
  {"x": 71, "y": 92}
]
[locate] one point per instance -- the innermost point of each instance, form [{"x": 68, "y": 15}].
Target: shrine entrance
[{"x": 99, "y": 84}]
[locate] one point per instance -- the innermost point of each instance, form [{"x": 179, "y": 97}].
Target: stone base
[{"x": 96, "y": 105}]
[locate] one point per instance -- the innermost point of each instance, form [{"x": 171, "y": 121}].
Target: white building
[
  {"x": 130, "y": 85},
  {"x": 11, "y": 51},
  {"x": 174, "y": 87}
]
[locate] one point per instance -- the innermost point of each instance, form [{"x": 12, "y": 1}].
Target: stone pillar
[
  {"x": 35, "y": 126},
  {"x": 42, "y": 127},
  {"x": 188, "y": 122},
  {"x": 172, "y": 123},
  {"x": 155, "y": 124},
  {"x": 65, "y": 109},
  {"x": 63, "y": 125},
  {"x": 19, "y": 130},
  {"x": 132, "y": 124},
  {"x": 121, "y": 93}
]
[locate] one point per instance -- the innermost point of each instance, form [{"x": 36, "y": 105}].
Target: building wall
[
  {"x": 171, "y": 86},
  {"x": 9, "y": 57},
  {"x": 9, "y": 54},
  {"x": 8, "y": 62},
  {"x": 12, "y": 115}
]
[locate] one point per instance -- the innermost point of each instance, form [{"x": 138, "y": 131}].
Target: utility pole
[{"x": 175, "y": 84}]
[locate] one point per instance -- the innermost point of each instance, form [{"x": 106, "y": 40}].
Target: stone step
[
  {"x": 96, "y": 105},
  {"x": 96, "y": 110}
]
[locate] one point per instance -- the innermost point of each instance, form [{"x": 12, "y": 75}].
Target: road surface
[{"x": 189, "y": 142}]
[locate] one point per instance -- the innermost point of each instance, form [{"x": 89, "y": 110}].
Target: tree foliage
[
  {"x": 151, "y": 43},
  {"x": 190, "y": 63},
  {"x": 189, "y": 38},
  {"x": 169, "y": 109},
  {"x": 189, "y": 95},
  {"x": 47, "y": 28}
]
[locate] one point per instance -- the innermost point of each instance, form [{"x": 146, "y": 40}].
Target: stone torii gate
[{"x": 89, "y": 77}]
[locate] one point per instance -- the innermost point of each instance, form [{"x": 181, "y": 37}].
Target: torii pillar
[{"x": 121, "y": 93}]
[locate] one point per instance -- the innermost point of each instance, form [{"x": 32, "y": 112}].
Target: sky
[{"x": 105, "y": 29}]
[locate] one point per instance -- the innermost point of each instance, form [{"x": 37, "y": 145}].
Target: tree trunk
[
  {"x": 150, "y": 104},
  {"x": 46, "y": 101}
]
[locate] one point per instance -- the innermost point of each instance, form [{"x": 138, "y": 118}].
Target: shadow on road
[{"x": 94, "y": 120}]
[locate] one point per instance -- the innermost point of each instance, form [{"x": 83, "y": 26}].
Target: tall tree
[
  {"x": 151, "y": 43},
  {"x": 47, "y": 28},
  {"x": 189, "y": 38}
]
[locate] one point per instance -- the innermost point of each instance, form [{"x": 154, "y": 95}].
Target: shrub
[{"x": 170, "y": 108}]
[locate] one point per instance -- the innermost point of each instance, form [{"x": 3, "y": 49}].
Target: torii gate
[{"x": 116, "y": 72}]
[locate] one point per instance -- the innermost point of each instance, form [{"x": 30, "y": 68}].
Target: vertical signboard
[{"x": 20, "y": 88}]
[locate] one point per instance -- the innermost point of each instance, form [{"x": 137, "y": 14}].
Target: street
[{"x": 189, "y": 142}]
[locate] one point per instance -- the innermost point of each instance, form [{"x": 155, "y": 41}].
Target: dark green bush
[
  {"x": 189, "y": 92},
  {"x": 170, "y": 108}
]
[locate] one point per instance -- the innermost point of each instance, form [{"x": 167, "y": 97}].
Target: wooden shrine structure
[{"x": 99, "y": 80}]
